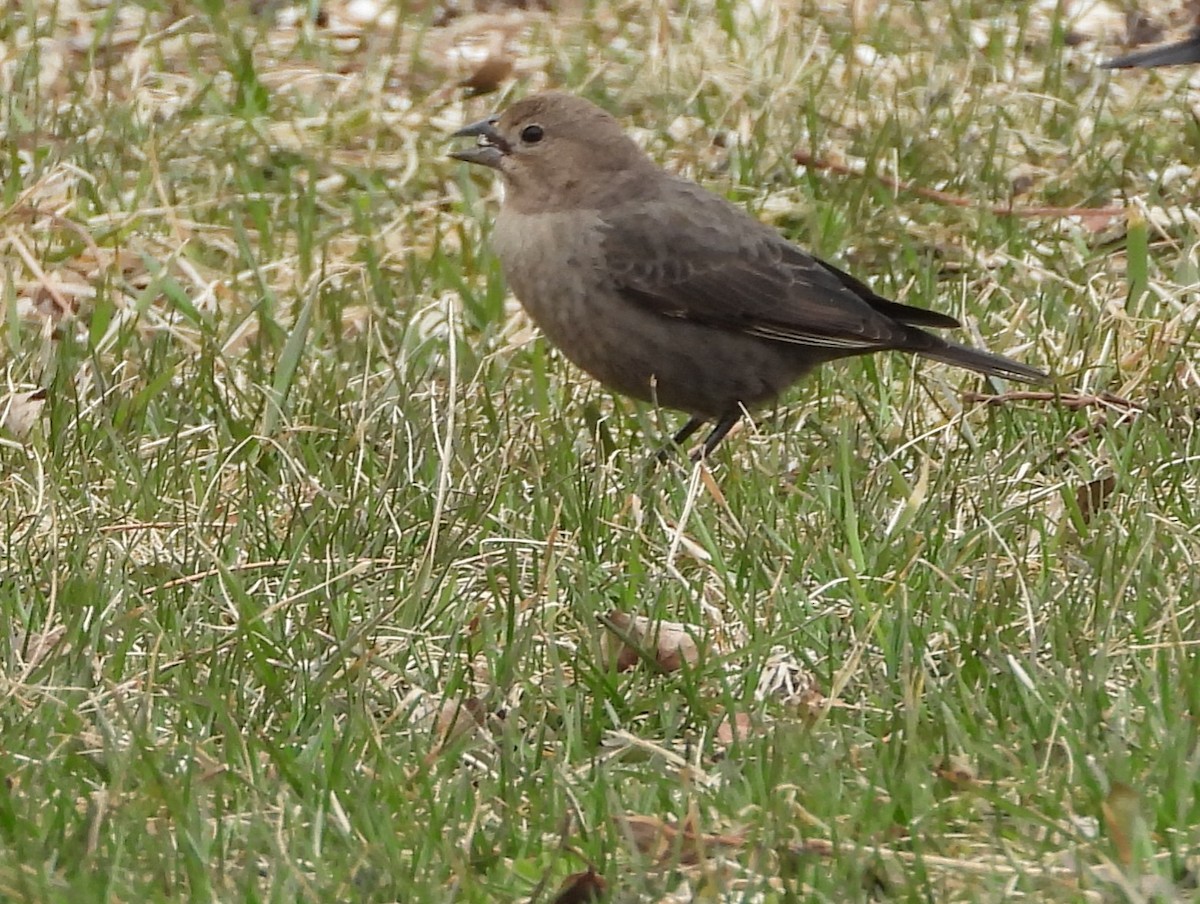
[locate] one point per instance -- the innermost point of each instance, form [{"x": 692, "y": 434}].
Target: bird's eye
[{"x": 532, "y": 134}]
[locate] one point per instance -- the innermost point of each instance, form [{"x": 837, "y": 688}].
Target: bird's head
[{"x": 554, "y": 150}]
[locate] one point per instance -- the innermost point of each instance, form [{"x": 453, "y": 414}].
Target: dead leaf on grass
[
  {"x": 738, "y": 727},
  {"x": 1122, "y": 810},
  {"x": 957, "y": 770},
  {"x": 787, "y": 678},
  {"x": 51, "y": 304},
  {"x": 356, "y": 320},
  {"x": 667, "y": 644},
  {"x": 489, "y": 74},
  {"x": 456, "y": 720},
  {"x": 578, "y": 888},
  {"x": 668, "y": 842},
  {"x": 19, "y": 411},
  {"x": 476, "y": 51},
  {"x": 39, "y": 646},
  {"x": 1094, "y": 495}
]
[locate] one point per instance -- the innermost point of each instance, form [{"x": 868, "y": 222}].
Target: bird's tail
[
  {"x": 1178, "y": 54},
  {"x": 983, "y": 362}
]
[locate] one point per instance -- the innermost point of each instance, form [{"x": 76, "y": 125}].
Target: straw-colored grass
[{"x": 326, "y": 579}]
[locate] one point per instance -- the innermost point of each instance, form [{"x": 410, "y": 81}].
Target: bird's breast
[{"x": 553, "y": 265}]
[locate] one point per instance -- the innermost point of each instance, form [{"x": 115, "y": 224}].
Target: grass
[{"x": 307, "y": 554}]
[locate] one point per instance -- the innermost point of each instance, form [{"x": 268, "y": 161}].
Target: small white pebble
[
  {"x": 684, "y": 127},
  {"x": 363, "y": 12},
  {"x": 865, "y": 54},
  {"x": 1176, "y": 172}
]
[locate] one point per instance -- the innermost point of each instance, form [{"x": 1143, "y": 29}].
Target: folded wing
[{"x": 693, "y": 256}]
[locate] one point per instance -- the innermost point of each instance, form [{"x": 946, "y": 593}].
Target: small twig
[
  {"x": 197, "y": 577},
  {"x": 978, "y": 866},
  {"x": 1082, "y": 435},
  {"x": 1073, "y": 401},
  {"x": 29, "y": 213},
  {"x": 945, "y": 197},
  {"x": 48, "y": 285}
]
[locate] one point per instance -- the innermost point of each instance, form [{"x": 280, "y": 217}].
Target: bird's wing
[{"x": 689, "y": 254}]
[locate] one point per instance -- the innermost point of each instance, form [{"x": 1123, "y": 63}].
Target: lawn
[{"x": 324, "y": 578}]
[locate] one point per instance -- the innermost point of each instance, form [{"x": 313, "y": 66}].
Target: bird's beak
[{"x": 491, "y": 147}]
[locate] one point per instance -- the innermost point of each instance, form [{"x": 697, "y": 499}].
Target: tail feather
[
  {"x": 1178, "y": 54},
  {"x": 983, "y": 362}
]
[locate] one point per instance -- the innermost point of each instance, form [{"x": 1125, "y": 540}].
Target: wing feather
[{"x": 689, "y": 254}]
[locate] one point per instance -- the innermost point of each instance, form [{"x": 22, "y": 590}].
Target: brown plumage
[{"x": 666, "y": 292}]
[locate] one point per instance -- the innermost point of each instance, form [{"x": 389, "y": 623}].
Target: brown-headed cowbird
[
  {"x": 666, "y": 292},
  {"x": 1177, "y": 54}
]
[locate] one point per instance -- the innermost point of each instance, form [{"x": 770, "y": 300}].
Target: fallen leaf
[
  {"x": 1094, "y": 495},
  {"x": 54, "y": 303},
  {"x": 686, "y": 543},
  {"x": 738, "y": 727},
  {"x": 39, "y": 645},
  {"x": 957, "y": 771},
  {"x": 356, "y": 320},
  {"x": 20, "y": 411},
  {"x": 580, "y": 887},
  {"x": 668, "y": 842},
  {"x": 457, "y": 719},
  {"x": 1122, "y": 811},
  {"x": 668, "y": 644},
  {"x": 488, "y": 75},
  {"x": 786, "y": 677}
]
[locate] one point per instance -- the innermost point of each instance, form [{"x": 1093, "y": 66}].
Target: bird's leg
[
  {"x": 693, "y": 424},
  {"x": 724, "y": 425},
  {"x": 681, "y": 435}
]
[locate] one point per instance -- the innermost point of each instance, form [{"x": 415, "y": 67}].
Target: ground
[{"x": 325, "y": 579}]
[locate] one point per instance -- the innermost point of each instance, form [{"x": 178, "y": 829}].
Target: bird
[
  {"x": 666, "y": 292},
  {"x": 1178, "y": 54}
]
